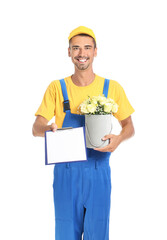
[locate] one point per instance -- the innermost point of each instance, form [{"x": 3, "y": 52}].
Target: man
[{"x": 82, "y": 189}]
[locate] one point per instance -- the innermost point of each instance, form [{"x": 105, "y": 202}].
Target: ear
[
  {"x": 95, "y": 52},
  {"x": 69, "y": 52}
]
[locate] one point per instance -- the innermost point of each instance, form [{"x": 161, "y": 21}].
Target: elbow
[
  {"x": 34, "y": 132},
  {"x": 133, "y": 131}
]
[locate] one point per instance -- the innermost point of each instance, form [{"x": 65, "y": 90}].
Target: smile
[{"x": 83, "y": 60}]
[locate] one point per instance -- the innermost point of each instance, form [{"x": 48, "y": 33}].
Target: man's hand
[
  {"x": 114, "y": 141},
  {"x": 53, "y": 127},
  {"x": 41, "y": 125}
]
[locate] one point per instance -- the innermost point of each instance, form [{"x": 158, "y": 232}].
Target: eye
[
  {"x": 75, "y": 48},
  {"x": 88, "y": 47}
]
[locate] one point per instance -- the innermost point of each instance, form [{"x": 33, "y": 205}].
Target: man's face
[{"x": 82, "y": 52}]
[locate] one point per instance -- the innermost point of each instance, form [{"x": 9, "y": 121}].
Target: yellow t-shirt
[{"x": 52, "y": 103}]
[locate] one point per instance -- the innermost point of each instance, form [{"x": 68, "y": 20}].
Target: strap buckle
[{"x": 66, "y": 105}]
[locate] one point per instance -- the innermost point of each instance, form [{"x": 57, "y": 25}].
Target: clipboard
[{"x": 65, "y": 145}]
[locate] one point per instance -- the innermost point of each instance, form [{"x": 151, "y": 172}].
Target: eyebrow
[
  {"x": 75, "y": 46},
  {"x": 84, "y": 46},
  {"x": 88, "y": 45}
]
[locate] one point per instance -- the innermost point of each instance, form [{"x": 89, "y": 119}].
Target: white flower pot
[{"x": 96, "y": 127}]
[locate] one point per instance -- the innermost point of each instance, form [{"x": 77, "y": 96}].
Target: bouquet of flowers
[{"x": 98, "y": 105}]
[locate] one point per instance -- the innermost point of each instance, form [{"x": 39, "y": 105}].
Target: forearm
[
  {"x": 39, "y": 129},
  {"x": 126, "y": 132},
  {"x": 40, "y": 126}
]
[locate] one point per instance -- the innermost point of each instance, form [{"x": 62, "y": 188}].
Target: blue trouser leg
[
  {"x": 69, "y": 211},
  {"x": 96, "y": 222},
  {"x": 77, "y": 188}
]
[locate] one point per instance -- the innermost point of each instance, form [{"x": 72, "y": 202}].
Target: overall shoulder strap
[
  {"x": 106, "y": 86},
  {"x": 65, "y": 95}
]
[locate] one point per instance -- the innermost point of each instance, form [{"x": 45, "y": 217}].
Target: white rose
[
  {"x": 102, "y": 100},
  {"x": 83, "y": 108},
  {"x": 109, "y": 100},
  {"x": 114, "y": 108},
  {"x": 107, "y": 107},
  {"x": 94, "y": 100},
  {"x": 91, "y": 108}
]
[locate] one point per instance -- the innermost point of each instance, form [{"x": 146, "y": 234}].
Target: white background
[{"x": 132, "y": 49}]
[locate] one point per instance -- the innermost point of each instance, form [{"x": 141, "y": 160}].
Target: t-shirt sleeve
[
  {"x": 47, "y": 107},
  {"x": 124, "y": 107}
]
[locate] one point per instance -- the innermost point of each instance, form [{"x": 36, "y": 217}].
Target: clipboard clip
[{"x": 64, "y": 128}]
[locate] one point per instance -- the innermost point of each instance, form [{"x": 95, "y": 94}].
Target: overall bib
[{"x": 82, "y": 189}]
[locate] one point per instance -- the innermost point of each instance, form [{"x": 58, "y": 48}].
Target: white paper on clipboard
[{"x": 65, "y": 145}]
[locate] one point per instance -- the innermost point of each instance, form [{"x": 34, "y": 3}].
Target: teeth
[{"x": 82, "y": 60}]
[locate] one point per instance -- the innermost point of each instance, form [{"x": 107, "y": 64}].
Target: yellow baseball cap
[{"x": 82, "y": 30}]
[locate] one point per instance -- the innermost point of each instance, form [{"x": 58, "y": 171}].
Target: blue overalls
[{"x": 82, "y": 189}]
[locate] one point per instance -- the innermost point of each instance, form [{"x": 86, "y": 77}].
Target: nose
[{"x": 81, "y": 52}]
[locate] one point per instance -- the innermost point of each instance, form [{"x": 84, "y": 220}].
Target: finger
[
  {"x": 107, "y": 137},
  {"x": 53, "y": 127}
]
